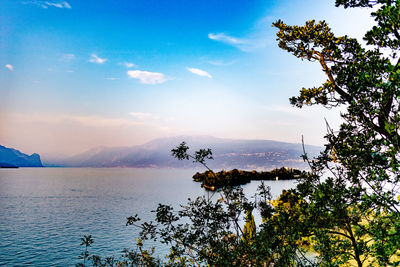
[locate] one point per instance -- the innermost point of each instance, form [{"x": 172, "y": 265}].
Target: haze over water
[
  {"x": 45, "y": 211},
  {"x": 77, "y": 75}
]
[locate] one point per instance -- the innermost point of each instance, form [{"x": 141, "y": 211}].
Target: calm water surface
[{"x": 45, "y": 211}]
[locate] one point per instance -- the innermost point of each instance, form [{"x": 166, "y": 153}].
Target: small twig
[{"x": 305, "y": 157}]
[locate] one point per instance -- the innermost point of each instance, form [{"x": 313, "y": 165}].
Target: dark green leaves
[
  {"x": 180, "y": 152},
  {"x": 351, "y": 209}
]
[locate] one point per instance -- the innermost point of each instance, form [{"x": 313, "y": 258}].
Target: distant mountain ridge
[
  {"x": 227, "y": 153},
  {"x": 13, "y": 157}
]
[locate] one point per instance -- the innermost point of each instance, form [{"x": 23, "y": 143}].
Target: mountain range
[
  {"x": 227, "y": 153},
  {"x": 10, "y": 157}
]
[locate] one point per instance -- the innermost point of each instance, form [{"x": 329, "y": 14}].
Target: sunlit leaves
[{"x": 362, "y": 156}]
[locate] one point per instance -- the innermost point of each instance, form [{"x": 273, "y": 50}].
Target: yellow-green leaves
[{"x": 249, "y": 229}]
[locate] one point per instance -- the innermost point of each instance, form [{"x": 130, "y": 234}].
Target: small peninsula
[{"x": 212, "y": 181}]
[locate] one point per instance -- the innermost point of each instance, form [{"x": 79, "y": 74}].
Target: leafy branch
[{"x": 180, "y": 152}]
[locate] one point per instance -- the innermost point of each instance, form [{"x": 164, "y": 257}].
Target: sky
[{"x": 76, "y": 74}]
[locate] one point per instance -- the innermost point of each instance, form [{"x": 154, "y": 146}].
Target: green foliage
[
  {"x": 249, "y": 228},
  {"x": 87, "y": 241},
  {"x": 354, "y": 212},
  {"x": 213, "y": 181},
  {"x": 222, "y": 232},
  {"x": 345, "y": 211},
  {"x": 218, "y": 232},
  {"x": 180, "y": 152}
]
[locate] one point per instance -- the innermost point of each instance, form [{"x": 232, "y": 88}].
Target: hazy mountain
[
  {"x": 13, "y": 157},
  {"x": 228, "y": 154}
]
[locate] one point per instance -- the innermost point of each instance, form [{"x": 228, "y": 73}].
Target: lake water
[{"x": 45, "y": 211}]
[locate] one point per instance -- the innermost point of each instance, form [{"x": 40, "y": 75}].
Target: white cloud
[
  {"x": 9, "y": 66},
  {"x": 47, "y": 4},
  {"x": 233, "y": 41},
  {"x": 129, "y": 65},
  {"x": 95, "y": 59},
  {"x": 199, "y": 72},
  {"x": 147, "y": 77},
  {"x": 242, "y": 44},
  {"x": 225, "y": 38},
  {"x": 112, "y": 78},
  {"x": 62, "y": 4}
]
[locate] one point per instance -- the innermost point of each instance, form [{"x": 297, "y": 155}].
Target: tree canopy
[
  {"x": 346, "y": 210},
  {"x": 354, "y": 209}
]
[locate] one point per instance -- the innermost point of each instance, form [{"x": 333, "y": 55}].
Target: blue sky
[{"x": 80, "y": 74}]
